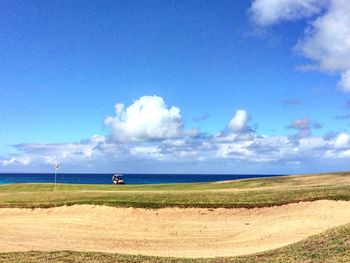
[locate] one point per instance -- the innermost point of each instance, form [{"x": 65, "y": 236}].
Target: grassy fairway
[
  {"x": 241, "y": 193},
  {"x": 331, "y": 246}
]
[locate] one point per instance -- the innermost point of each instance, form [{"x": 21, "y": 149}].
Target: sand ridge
[{"x": 179, "y": 232}]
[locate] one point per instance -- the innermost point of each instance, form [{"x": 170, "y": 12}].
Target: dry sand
[{"x": 167, "y": 232}]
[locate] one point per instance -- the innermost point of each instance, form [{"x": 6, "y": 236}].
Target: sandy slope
[{"x": 169, "y": 231}]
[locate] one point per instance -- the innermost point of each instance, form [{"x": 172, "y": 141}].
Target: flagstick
[
  {"x": 57, "y": 166},
  {"x": 55, "y": 178}
]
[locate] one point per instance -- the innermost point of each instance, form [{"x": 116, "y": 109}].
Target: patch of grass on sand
[
  {"x": 247, "y": 193},
  {"x": 330, "y": 246}
]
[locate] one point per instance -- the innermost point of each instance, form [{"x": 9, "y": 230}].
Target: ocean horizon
[{"x": 106, "y": 178}]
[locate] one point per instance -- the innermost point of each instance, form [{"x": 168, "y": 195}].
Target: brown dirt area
[{"x": 179, "y": 232}]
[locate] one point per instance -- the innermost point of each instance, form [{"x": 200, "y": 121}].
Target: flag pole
[
  {"x": 57, "y": 166},
  {"x": 55, "y": 177}
]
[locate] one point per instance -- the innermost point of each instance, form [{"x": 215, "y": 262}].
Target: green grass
[
  {"x": 330, "y": 246},
  {"x": 241, "y": 193}
]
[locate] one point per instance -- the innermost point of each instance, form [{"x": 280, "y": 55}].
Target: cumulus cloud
[
  {"x": 239, "y": 121},
  {"x": 237, "y": 143},
  {"x": 342, "y": 141},
  {"x": 326, "y": 40},
  {"x": 237, "y": 130},
  {"x": 146, "y": 118}
]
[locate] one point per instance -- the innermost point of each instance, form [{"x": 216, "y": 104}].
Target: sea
[{"x": 81, "y": 178}]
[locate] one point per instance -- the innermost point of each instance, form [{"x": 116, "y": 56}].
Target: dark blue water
[{"x": 129, "y": 178}]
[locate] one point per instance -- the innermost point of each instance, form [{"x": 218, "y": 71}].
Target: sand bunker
[{"x": 167, "y": 232}]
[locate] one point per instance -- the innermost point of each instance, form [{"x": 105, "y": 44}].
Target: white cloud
[
  {"x": 345, "y": 154},
  {"x": 344, "y": 83},
  {"x": 326, "y": 40},
  {"x": 236, "y": 143},
  {"x": 268, "y": 12},
  {"x": 146, "y": 151},
  {"x": 237, "y": 150},
  {"x": 239, "y": 122},
  {"x": 342, "y": 141},
  {"x": 20, "y": 160},
  {"x": 147, "y": 118},
  {"x": 237, "y": 130},
  {"x": 177, "y": 143},
  {"x": 312, "y": 143},
  {"x": 59, "y": 152},
  {"x": 275, "y": 148}
]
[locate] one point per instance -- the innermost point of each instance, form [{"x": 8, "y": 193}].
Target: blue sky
[{"x": 207, "y": 86}]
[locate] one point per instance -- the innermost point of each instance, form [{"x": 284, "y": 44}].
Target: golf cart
[{"x": 118, "y": 179}]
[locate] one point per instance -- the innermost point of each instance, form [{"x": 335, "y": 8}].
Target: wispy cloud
[
  {"x": 347, "y": 104},
  {"x": 291, "y": 102},
  {"x": 269, "y": 12},
  {"x": 304, "y": 126},
  {"x": 343, "y": 117},
  {"x": 202, "y": 117}
]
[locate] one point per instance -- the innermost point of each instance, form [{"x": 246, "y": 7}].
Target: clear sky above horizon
[{"x": 175, "y": 86}]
